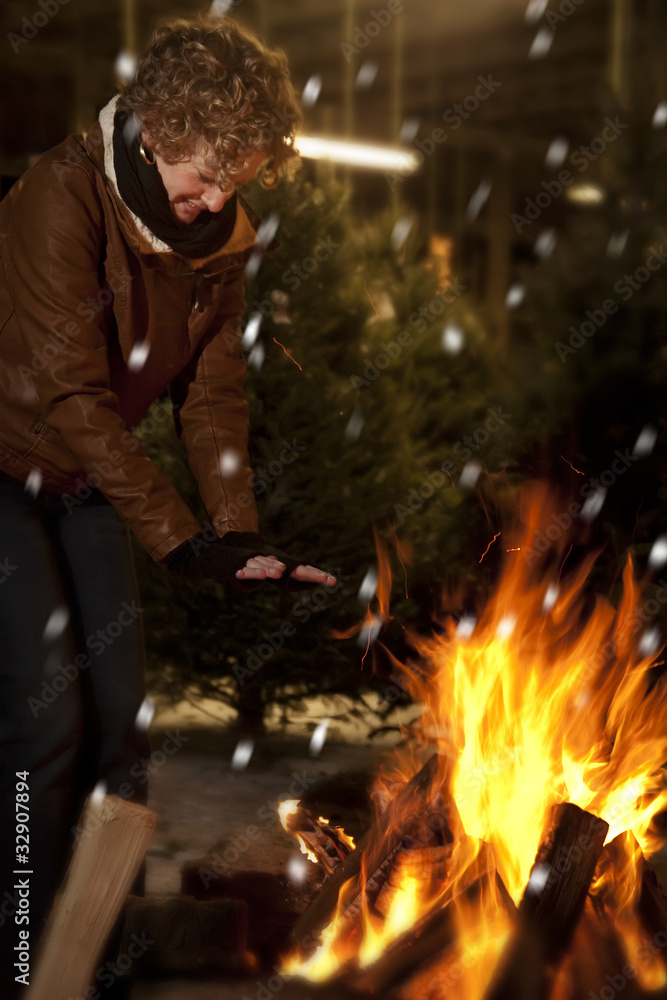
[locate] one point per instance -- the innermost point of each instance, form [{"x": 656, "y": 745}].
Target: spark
[
  {"x": 370, "y": 299},
  {"x": 517, "y": 549},
  {"x": 372, "y": 629},
  {"x": 398, "y": 553},
  {"x": 497, "y": 535},
  {"x": 571, "y": 466},
  {"x": 287, "y": 353}
]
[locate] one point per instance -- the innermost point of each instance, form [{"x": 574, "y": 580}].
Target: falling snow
[
  {"x": 545, "y": 243},
  {"x": 368, "y": 586},
  {"x": 478, "y": 199},
  {"x": 658, "y": 554},
  {"x": 242, "y": 754},
  {"x": 470, "y": 474},
  {"x": 452, "y": 338},
  {"x": 550, "y": 597},
  {"x": 138, "y": 356},
  {"x": 354, "y": 426},
  {"x": 145, "y": 715},
  {"x": 556, "y": 153},
  {"x": 318, "y": 738},
  {"x": 401, "y": 231},
  {"x": 409, "y": 129},
  {"x": 541, "y": 43},
  {"x": 230, "y": 462},
  {"x": 366, "y": 75},
  {"x": 251, "y": 331},
  {"x": 33, "y": 483},
  {"x": 256, "y": 357},
  {"x": 515, "y": 296},
  {"x": 645, "y": 443},
  {"x": 56, "y": 625},
  {"x": 594, "y": 504},
  {"x": 311, "y": 91}
]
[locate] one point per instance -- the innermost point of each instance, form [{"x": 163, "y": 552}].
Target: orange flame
[{"x": 543, "y": 703}]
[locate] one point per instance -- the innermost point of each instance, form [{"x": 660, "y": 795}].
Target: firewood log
[
  {"x": 551, "y": 905},
  {"x": 113, "y": 838},
  {"x": 378, "y": 847}
]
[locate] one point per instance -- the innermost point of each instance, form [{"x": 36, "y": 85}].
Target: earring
[{"x": 146, "y": 155}]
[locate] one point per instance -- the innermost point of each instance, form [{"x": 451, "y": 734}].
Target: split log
[
  {"x": 597, "y": 958},
  {"x": 378, "y": 849},
  {"x": 423, "y": 945},
  {"x": 552, "y": 903},
  {"x": 112, "y": 840},
  {"x": 322, "y": 839},
  {"x": 175, "y": 934}
]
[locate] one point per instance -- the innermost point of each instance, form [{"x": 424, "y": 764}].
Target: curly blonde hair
[{"x": 210, "y": 86}]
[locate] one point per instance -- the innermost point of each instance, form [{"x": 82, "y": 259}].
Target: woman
[{"x": 123, "y": 256}]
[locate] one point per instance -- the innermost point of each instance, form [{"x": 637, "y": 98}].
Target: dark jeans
[{"x": 71, "y": 684}]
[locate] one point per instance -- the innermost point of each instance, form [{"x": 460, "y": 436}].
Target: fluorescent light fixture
[{"x": 355, "y": 154}]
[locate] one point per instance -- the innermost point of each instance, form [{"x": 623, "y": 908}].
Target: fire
[{"x": 543, "y": 702}]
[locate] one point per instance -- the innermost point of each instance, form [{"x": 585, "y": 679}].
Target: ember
[{"x": 523, "y": 839}]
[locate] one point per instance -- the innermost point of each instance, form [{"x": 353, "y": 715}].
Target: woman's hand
[{"x": 263, "y": 567}]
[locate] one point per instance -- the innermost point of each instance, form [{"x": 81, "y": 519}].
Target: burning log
[
  {"x": 423, "y": 945},
  {"x": 322, "y": 839},
  {"x": 552, "y": 904},
  {"x": 378, "y": 849},
  {"x": 622, "y": 860}
]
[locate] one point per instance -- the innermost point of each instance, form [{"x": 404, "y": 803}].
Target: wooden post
[{"x": 111, "y": 843}]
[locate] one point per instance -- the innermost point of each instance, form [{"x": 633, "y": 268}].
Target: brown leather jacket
[{"x": 80, "y": 286}]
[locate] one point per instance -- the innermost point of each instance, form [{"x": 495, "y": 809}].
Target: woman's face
[{"x": 191, "y": 185}]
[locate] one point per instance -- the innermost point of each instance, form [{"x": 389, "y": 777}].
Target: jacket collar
[{"x": 237, "y": 250}]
